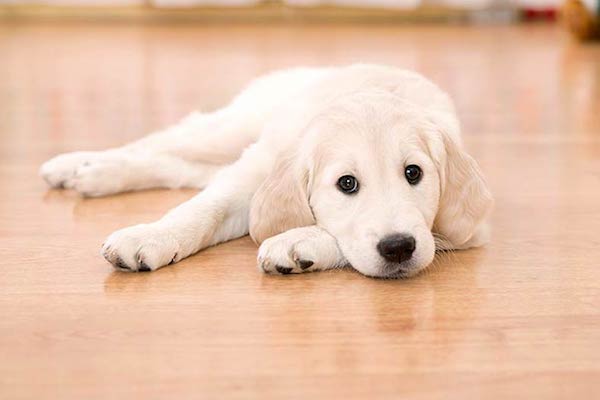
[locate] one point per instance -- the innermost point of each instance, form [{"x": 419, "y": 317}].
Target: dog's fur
[{"x": 269, "y": 163}]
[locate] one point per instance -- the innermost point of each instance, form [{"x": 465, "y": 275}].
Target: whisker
[{"x": 444, "y": 253}]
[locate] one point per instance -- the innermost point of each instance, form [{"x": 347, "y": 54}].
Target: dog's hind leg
[
  {"x": 185, "y": 155},
  {"x": 110, "y": 173},
  {"x": 221, "y": 136},
  {"x": 218, "y": 214},
  {"x": 202, "y": 142}
]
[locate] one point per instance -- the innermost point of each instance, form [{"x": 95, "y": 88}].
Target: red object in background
[{"x": 530, "y": 14}]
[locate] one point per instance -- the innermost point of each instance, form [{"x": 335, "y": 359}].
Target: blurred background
[
  {"x": 478, "y": 10},
  {"x": 156, "y": 60},
  {"x": 91, "y": 68}
]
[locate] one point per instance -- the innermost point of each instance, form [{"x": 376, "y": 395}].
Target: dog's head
[{"x": 385, "y": 178}]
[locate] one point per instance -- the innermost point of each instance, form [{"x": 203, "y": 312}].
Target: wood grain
[{"x": 517, "y": 319}]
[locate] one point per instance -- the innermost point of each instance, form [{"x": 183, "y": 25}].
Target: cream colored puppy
[{"x": 324, "y": 167}]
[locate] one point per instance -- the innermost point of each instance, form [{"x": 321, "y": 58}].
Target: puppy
[{"x": 325, "y": 167}]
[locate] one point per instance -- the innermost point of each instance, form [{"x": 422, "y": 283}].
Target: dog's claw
[
  {"x": 143, "y": 267},
  {"x": 305, "y": 264},
  {"x": 121, "y": 265},
  {"x": 283, "y": 270}
]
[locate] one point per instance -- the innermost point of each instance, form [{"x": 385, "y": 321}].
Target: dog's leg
[
  {"x": 110, "y": 173},
  {"x": 213, "y": 138},
  {"x": 305, "y": 249},
  {"x": 217, "y": 214},
  {"x": 186, "y": 155},
  {"x": 208, "y": 140}
]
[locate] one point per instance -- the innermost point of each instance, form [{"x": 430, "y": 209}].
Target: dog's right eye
[{"x": 348, "y": 184}]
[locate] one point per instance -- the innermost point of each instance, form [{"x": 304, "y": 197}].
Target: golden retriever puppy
[{"x": 325, "y": 167}]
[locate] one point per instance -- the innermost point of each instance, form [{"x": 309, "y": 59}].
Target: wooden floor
[{"x": 517, "y": 319}]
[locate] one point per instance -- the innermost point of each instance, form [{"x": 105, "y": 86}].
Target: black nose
[{"x": 397, "y": 247}]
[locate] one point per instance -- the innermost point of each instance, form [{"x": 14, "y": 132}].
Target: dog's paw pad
[
  {"x": 283, "y": 270},
  {"x": 304, "y": 264},
  {"x": 119, "y": 264},
  {"x": 143, "y": 267}
]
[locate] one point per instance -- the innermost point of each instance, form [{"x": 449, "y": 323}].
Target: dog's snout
[{"x": 397, "y": 248}]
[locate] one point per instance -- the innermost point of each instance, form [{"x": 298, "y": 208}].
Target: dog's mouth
[
  {"x": 403, "y": 270},
  {"x": 401, "y": 273}
]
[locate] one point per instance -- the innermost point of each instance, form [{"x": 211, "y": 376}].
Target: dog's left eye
[
  {"x": 348, "y": 184},
  {"x": 413, "y": 174}
]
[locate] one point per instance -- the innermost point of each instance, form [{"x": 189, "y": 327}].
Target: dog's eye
[
  {"x": 413, "y": 174},
  {"x": 348, "y": 184}
]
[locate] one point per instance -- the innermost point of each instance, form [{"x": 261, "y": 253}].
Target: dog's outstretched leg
[
  {"x": 110, "y": 172},
  {"x": 217, "y": 214},
  {"x": 305, "y": 249},
  {"x": 185, "y": 155}
]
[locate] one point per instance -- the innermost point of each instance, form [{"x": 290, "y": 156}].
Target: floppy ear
[
  {"x": 465, "y": 199},
  {"x": 281, "y": 202}
]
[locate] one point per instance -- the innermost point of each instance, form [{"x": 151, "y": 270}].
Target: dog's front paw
[
  {"x": 144, "y": 247},
  {"x": 282, "y": 258},
  {"x": 299, "y": 250}
]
